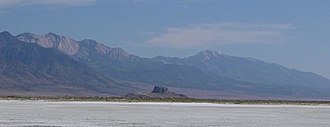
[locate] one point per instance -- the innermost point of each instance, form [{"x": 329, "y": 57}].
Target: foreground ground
[{"x": 100, "y": 114}]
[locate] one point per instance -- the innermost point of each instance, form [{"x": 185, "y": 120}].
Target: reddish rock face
[
  {"x": 51, "y": 40},
  {"x": 72, "y": 47}
]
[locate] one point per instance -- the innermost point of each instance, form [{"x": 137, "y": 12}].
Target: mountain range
[{"x": 52, "y": 64}]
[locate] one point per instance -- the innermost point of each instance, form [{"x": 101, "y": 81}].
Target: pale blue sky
[{"x": 294, "y": 33}]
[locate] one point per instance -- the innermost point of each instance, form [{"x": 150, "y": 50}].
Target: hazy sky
[{"x": 294, "y": 33}]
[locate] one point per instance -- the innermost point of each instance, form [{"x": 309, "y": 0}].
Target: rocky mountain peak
[
  {"x": 5, "y": 33},
  {"x": 211, "y": 52},
  {"x": 118, "y": 53},
  {"x": 71, "y": 47},
  {"x": 68, "y": 46},
  {"x": 208, "y": 54},
  {"x": 5, "y": 37},
  {"x": 52, "y": 34},
  {"x": 103, "y": 50},
  {"x": 52, "y": 40},
  {"x": 88, "y": 42}
]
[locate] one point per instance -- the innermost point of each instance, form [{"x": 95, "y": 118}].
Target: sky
[{"x": 293, "y": 33}]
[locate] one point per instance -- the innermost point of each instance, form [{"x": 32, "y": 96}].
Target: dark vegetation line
[{"x": 182, "y": 100}]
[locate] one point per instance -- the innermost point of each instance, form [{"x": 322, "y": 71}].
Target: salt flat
[{"x": 104, "y": 114}]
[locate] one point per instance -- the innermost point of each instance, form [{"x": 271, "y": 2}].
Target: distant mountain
[
  {"x": 208, "y": 72},
  {"x": 115, "y": 62},
  {"x": 277, "y": 78},
  {"x": 27, "y": 68},
  {"x": 248, "y": 69},
  {"x": 84, "y": 50}
]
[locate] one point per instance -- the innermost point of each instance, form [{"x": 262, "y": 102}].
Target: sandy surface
[{"x": 104, "y": 114}]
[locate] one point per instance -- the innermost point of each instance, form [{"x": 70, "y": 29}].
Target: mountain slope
[
  {"x": 276, "y": 77},
  {"x": 248, "y": 69},
  {"x": 208, "y": 70},
  {"x": 117, "y": 63},
  {"x": 31, "y": 68}
]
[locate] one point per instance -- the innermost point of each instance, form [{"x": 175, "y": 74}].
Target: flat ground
[{"x": 15, "y": 113}]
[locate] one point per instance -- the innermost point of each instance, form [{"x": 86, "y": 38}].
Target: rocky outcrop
[
  {"x": 157, "y": 92},
  {"x": 160, "y": 90},
  {"x": 163, "y": 92}
]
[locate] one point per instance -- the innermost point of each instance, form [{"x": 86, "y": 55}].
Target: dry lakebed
[{"x": 18, "y": 113}]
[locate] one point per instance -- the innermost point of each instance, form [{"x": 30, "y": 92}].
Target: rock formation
[{"x": 159, "y": 89}]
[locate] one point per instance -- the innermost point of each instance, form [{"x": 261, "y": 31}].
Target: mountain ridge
[
  {"x": 30, "y": 68},
  {"x": 207, "y": 70}
]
